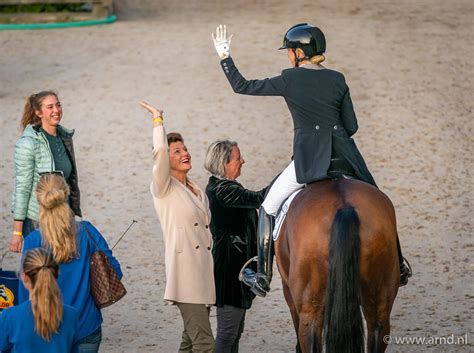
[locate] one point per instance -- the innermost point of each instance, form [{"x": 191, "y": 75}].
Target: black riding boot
[
  {"x": 405, "y": 268},
  {"x": 259, "y": 282}
]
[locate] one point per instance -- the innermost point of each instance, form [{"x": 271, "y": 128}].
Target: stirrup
[
  {"x": 407, "y": 272},
  {"x": 241, "y": 273},
  {"x": 250, "y": 279}
]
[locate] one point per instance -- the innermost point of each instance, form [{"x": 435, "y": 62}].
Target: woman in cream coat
[{"x": 183, "y": 210}]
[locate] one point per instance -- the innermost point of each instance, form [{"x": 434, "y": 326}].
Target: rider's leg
[
  {"x": 259, "y": 282},
  {"x": 405, "y": 269},
  {"x": 283, "y": 187}
]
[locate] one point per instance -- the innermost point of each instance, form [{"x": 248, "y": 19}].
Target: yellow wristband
[
  {"x": 158, "y": 120},
  {"x": 20, "y": 234}
]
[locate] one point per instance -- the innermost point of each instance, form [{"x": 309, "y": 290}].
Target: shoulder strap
[{"x": 89, "y": 236}]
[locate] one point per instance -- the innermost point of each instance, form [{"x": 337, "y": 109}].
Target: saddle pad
[{"x": 280, "y": 217}]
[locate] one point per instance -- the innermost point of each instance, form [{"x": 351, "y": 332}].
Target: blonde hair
[
  {"x": 317, "y": 59},
  {"x": 56, "y": 219},
  {"x": 46, "y": 302},
  {"x": 218, "y": 155},
  {"x": 33, "y": 103}
]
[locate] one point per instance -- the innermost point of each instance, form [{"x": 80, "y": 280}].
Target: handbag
[
  {"x": 9, "y": 282},
  {"x": 106, "y": 287}
]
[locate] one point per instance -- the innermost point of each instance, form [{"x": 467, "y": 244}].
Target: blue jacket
[
  {"x": 17, "y": 331},
  {"x": 74, "y": 276}
]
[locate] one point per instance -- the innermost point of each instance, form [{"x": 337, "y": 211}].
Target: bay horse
[{"x": 337, "y": 254}]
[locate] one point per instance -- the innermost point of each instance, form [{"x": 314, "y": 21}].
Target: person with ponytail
[
  {"x": 71, "y": 243},
  {"x": 42, "y": 323},
  {"x": 324, "y": 122},
  {"x": 44, "y": 146}
]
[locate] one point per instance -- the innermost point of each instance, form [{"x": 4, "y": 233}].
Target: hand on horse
[
  {"x": 221, "y": 43},
  {"x": 156, "y": 112}
]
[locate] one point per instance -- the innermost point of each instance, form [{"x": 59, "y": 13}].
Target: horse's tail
[{"x": 343, "y": 325}]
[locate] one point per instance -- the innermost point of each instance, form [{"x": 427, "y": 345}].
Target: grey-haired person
[{"x": 234, "y": 232}]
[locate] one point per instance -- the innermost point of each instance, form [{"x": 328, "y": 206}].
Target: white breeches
[{"x": 283, "y": 187}]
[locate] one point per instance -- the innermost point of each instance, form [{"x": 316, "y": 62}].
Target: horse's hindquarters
[{"x": 303, "y": 258}]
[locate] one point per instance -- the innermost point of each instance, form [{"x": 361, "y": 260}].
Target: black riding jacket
[{"x": 323, "y": 117}]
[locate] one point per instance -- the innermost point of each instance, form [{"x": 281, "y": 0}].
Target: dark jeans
[
  {"x": 230, "y": 325},
  {"x": 91, "y": 343},
  {"x": 28, "y": 226}
]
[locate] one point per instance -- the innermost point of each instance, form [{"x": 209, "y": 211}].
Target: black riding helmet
[{"x": 308, "y": 38}]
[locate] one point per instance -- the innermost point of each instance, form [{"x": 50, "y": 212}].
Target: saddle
[{"x": 339, "y": 168}]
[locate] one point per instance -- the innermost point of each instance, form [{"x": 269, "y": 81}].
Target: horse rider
[{"x": 324, "y": 121}]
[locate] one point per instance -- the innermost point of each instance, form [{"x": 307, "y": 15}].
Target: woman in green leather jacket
[
  {"x": 45, "y": 146},
  {"x": 234, "y": 233}
]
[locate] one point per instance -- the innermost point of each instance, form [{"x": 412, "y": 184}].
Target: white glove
[{"x": 221, "y": 42}]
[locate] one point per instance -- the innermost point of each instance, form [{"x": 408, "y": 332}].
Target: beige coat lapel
[{"x": 199, "y": 201}]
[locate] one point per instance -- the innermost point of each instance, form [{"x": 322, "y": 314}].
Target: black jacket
[
  {"x": 323, "y": 116},
  {"x": 74, "y": 193},
  {"x": 234, "y": 230}
]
